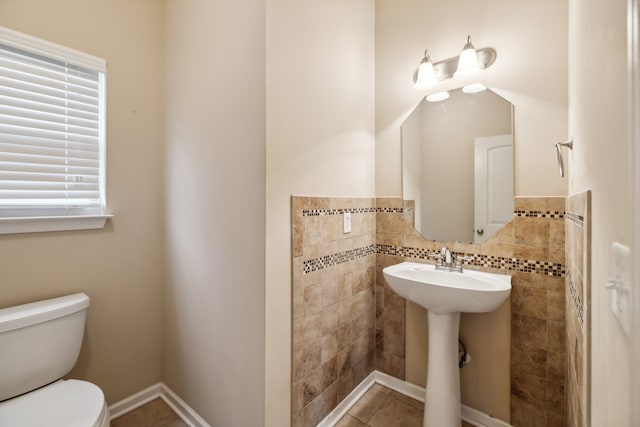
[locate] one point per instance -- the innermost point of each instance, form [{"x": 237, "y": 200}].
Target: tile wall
[
  {"x": 333, "y": 292},
  {"x": 578, "y": 308},
  {"x": 538, "y": 315},
  {"x": 531, "y": 249},
  {"x": 333, "y": 303},
  {"x": 390, "y": 307}
]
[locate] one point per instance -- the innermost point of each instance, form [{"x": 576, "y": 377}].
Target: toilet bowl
[{"x": 40, "y": 344}]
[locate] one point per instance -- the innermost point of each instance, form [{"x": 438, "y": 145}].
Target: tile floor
[
  {"x": 383, "y": 407},
  {"x": 378, "y": 407},
  {"x": 153, "y": 414}
]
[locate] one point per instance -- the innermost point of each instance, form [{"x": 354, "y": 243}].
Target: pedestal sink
[{"x": 445, "y": 294}]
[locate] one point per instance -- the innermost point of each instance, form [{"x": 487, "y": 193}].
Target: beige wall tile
[
  {"x": 312, "y": 299},
  {"x": 311, "y": 387},
  {"x": 329, "y": 372},
  {"x": 503, "y": 236},
  {"x": 557, "y": 336},
  {"x": 528, "y": 252},
  {"x": 311, "y": 359},
  {"x": 529, "y": 389},
  {"x": 531, "y": 360},
  {"x": 524, "y": 414},
  {"x": 531, "y": 231},
  {"x": 390, "y": 223},
  {"x": 528, "y": 331},
  {"x": 555, "y": 304},
  {"x": 556, "y": 367},
  {"x": 530, "y": 302},
  {"x": 556, "y": 420},
  {"x": 388, "y": 202},
  {"x": 556, "y": 233}
]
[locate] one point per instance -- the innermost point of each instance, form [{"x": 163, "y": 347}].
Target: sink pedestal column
[{"x": 442, "y": 405}]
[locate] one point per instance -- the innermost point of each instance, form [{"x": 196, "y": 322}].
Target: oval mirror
[{"x": 457, "y": 166}]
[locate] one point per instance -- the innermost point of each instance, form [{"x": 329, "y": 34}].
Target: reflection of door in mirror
[
  {"x": 438, "y": 161},
  {"x": 493, "y": 195}
]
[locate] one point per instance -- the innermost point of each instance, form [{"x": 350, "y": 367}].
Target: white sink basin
[
  {"x": 445, "y": 294},
  {"x": 446, "y": 291}
]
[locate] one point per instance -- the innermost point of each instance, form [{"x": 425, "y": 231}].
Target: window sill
[{"x": 38, "y": 224}]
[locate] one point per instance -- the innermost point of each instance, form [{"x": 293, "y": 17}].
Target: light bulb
[
  {"x": 467, "y": 62},
  {"x": 425, "y": 77}
]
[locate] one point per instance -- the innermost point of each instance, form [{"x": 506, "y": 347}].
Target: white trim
[
  {"x": 633, "y": 46},
  {"x": 48, "y": 49},
  {"x": 180, "y": 407},
  {"x": 162, "y": 391},
  {"x": 134, "y": 401},
  {"x": 347, "y": 403},
  {"x": 37, "y": 224},
  {"x": 470, "y": 415}
]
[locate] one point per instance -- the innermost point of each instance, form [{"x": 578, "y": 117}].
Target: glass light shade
[
  {"x": 426, "y": 77},
  {"x": 467, "y": 64},
  {"x": 438, "y": 96},
  {"x": 474, "y": 88}
]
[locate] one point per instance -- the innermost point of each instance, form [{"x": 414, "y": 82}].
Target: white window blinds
[{"x": 52, "y": 129}]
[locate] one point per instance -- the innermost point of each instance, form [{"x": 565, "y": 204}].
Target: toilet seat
[{"x": 64, "y": 403}]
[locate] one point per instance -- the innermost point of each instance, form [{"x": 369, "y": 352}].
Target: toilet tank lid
[{"x": 33, "y": 313}]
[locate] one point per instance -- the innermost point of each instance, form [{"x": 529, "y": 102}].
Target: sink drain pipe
[{"x": 463, "y": 356}]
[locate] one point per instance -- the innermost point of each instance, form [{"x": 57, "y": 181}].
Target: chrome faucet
[
  {"x": 445, "y": 254},
  {"x": 444, "y": 260}
]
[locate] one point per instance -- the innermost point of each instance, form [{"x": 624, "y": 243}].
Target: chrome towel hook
[{"x": 569, "y": 145}]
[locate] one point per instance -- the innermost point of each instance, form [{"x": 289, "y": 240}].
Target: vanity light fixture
[
  {"x": 470, "y": 62},
  {"x": 438, "y": 96}
]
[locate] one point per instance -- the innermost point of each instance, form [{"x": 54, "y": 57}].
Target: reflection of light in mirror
[
  {"x": 438, "y": 96},
  {"x": 474, "y": 88}
]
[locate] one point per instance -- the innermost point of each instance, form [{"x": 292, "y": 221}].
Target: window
[{"x": 52, "y": 133}]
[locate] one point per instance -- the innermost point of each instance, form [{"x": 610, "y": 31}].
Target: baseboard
[
  {"x": 180, "y": 407},
  {"x": 470, "y": 415},
  {"x": 343, "y": 407},
  {"x": 159, "y": 390},
  {"x": 134, "y": 401}
]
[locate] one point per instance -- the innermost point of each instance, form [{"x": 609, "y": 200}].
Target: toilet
[{"x": 39, "y": 344}]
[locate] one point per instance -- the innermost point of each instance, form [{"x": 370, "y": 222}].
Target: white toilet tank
[{"x": 39, "y": 342}]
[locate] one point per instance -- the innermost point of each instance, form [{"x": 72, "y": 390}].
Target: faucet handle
[
  {"x": 437, "y": 256},
  {"x": 460, "y": 258}
]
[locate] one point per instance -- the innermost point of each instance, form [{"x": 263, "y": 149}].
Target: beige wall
[
  {"x": 530, "y": 71},
  {"x": 214, "y": 311},
  {"x": 599, "y": 162},
  {"x": 320, "y": 126},
  {"x": 120, "y": 267}
]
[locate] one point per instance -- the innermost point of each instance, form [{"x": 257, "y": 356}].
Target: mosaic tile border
[
  {"x": 539, "y": 214},
  {"x": 340, "y": 211},
  {"x": 575, "y": 298},
  {"x": 478, "y": 260},
  {"x": 327, "y": 261},
  {"x": 575, "y": 218}
]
